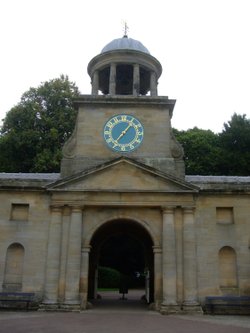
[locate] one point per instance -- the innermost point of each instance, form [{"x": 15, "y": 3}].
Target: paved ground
[{"x": 112, "y": 315}]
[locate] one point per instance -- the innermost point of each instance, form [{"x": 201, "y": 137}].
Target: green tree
[
  {"x": 201, "y": 149},
  {"x": 35, "y": 130},
  {"x": 235, "y": 146}
]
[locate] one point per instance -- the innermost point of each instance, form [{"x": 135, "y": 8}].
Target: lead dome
[{"x": 125, "y": 43}]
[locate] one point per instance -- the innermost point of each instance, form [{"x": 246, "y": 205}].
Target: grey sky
[{"x": 203, "y": 46}]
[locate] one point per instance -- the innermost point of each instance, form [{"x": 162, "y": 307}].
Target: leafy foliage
[
  {"x": 201, "y": 148},
  {"x": 35, "y": 130},
  {"x": 226, "y": 153},
  {"x": 235, "y": 146}
]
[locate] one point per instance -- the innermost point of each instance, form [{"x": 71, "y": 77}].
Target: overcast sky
[{"x": 203, "y": 46}]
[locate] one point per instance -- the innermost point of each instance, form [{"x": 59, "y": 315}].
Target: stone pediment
[{"x": 122, "y": 175}]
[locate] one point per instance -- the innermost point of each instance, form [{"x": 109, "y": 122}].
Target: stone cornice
[
  {"x": 119, "y": 100},
  {"x": 124, "y": 56}
]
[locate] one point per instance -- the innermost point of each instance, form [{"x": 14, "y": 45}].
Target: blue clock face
[{"x": 123, "y": 133}]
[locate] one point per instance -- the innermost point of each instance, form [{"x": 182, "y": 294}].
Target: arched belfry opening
[{"x": 126, "y": 248}]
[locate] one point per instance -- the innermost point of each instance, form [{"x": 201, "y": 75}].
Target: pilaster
[
  {"x": 64, "y": 248},
  {"x": 53, "y": 258},
  {"x": 169, "y": 303},
  {"x": 72, "y": 297},
  {"x": 190, "y": 303}
]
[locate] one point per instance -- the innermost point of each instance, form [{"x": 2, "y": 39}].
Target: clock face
[{"x": 123, "y": 133}]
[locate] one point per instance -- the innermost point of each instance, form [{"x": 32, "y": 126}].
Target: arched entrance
[{"x": 125, "y": 248}]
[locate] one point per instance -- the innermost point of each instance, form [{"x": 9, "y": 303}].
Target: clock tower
[
  {"x": 123, "y": 116},
  {"x": 123, "y": 201}
]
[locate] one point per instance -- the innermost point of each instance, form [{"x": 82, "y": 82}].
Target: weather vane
[{"x": 125, "y": 29}]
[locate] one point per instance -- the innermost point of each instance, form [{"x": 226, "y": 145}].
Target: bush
[{"x": 108, "y": 277}]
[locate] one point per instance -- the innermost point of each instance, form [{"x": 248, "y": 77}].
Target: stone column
[
  {"x": 157, "y": 276},
  {"x": 53, "y": 258},
  {"x": 84, "y": 277},
  {"x": 169, "y": 304},
  {"x": 96, "y": 283},
  {"x": 112, "y": 79},
  {"x": 189, "y": 261},
  {"x": 72, "y": 296},
  {"x": 136, "y": 80},
  {"x": 153, "y": 84},
  {"x": 95, "y": 83}
]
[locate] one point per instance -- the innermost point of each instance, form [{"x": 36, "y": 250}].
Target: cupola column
[
  {"x": 136, "y": 80},
  {"x": 112, "y": 79},
  {"x": 153, "y": 84},
  {"x": 95, "y": 83}
]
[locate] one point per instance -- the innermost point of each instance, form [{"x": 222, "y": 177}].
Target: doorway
[{"x": 121, "y": 267}]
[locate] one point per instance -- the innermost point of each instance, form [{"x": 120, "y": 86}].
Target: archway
[{"x": 124, "y": 248}]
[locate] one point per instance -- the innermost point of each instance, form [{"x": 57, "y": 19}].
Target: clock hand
[
  {"x": 120, "y": 136},
  {"x": 123, "y": 133}
]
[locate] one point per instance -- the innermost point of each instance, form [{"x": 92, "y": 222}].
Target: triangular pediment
[{"x": 122, "y": 174}]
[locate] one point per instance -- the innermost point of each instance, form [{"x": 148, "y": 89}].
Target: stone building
[{"x": 123, "y": 175}]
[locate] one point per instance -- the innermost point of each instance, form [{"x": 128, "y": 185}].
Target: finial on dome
[{"x": 125, "y": 29}]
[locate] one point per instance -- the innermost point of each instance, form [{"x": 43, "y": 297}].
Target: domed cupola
[
  {"x": 124, "y": 67},
  {"x": 125, "y": 43}
]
